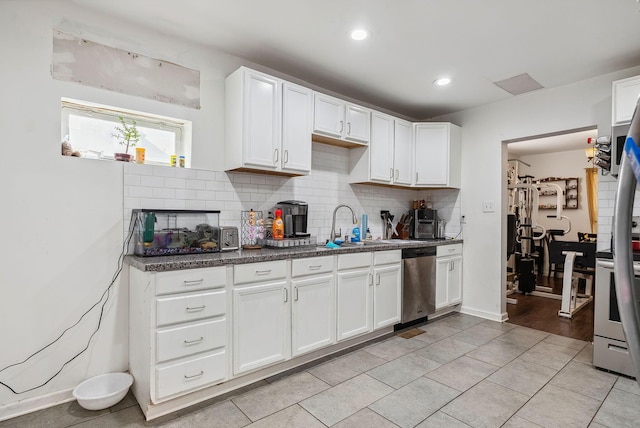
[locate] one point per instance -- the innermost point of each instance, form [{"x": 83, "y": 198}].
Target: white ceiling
[{"x": 413, "y": 42}]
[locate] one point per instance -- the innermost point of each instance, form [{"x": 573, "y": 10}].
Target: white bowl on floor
[{"x": 103, "y": 391}]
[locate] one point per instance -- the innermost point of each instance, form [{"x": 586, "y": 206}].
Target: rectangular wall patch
[{"x": 92, "y": 64}]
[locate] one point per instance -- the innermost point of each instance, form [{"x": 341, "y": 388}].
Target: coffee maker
[
  {"x": 294, "y": 215},
  {"x": 425, "y": 224}
]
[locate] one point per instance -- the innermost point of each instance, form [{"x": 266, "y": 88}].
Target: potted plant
[{"x": 128, "y": 136}]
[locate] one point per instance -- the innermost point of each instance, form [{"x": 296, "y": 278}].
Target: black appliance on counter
[
  {"x": 425, "y": 224},
  {"x": 294, "y": 215}
]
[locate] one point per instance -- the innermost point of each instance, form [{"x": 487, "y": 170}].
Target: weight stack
[{"x": 526, "y": 277}]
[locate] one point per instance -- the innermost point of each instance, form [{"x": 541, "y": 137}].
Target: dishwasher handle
[{"x": 412, "y": 253}]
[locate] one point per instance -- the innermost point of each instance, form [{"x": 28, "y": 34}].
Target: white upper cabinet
[
  {"x": 403, "y": 152},
  {"x": 381, "y": 148},
  {"x": 624, "y": 97},
  {"x": 340, "y": 119},
  {"x": 297, "y": 119},
  {"x": 267, "y": 124},
  {"x": 437, "y": 155},
  {"x": 389, "y": 157}
]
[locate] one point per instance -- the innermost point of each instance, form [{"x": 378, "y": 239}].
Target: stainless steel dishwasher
[{"x": 419, "y": 283}]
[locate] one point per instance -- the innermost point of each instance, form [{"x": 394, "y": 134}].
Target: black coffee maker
[{"x": 294, "y": 215}]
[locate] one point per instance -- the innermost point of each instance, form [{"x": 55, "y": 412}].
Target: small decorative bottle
[
  {"x": 268, "y": 226},
  {"x": 278, "y": 226}
]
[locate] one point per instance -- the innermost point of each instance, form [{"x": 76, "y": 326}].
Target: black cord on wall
[{"x": 106, "y": 293}]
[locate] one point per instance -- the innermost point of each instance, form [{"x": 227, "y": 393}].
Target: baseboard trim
[
  {"x": 29, "y": 405},
  {"x": 483, "y": 314}
]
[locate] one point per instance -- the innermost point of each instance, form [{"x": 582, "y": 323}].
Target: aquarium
[{"x": 171, "y": 232}]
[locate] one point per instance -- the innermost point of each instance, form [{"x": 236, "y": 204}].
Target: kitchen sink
[{"x": 366, "y": 243}]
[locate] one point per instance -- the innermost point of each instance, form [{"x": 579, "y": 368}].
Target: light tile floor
[{"x": 462, "y": 372}]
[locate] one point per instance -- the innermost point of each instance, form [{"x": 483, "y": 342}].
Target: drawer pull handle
[
  {"x": 618, "y": 349},
  {"x": 195, "y": 308},
  {"x": 191, "y": 342},
  {"x": 263, "y": 272},
  {"x": 314, "y": 267},
  {"x": 193, "y": 282},
  {"x": 195, "y": 375}
]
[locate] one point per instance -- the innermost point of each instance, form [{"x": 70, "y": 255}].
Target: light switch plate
[{"x": 488, "y": 206}]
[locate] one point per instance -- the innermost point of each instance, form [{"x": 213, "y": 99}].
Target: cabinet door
[
  {"x": 260, "y": 326},
  {"x": 432, "y": 154},
  {"x": 297, "y": 104},
  {"x": 381, "y": 148},
  {"x": 357, "y": 124},
  {"x": 442, "y": 279},
  {"x": 625, "y": 96},
  {"x": 403, "y": 152},
  {"x": 313, "y": 314},
  {"x": 386, "y": 296},
  {"x": 354, "y": 303},
  {"x": 328, "y": 115},
  {"x": 262, "y": 112},
  {"x": 454, "y": 281}
]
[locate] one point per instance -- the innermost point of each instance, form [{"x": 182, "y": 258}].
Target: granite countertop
[{"x": 192, "y": 261}]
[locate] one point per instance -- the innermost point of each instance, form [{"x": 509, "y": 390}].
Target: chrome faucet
[{"x": 333, "y": 221}]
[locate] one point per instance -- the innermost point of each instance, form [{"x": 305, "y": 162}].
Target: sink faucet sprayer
[{"x": 333, "y": 221}]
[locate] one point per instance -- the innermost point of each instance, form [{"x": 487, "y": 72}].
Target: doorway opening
[{"x": 551, "y": 185}]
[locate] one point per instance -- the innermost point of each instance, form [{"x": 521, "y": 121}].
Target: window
[{"x": 89, "y": 129}]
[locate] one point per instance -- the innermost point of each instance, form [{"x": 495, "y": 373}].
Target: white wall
[
  {"x": 64, "y": 217},
  {"x": 484, "y": 158},
  {"x": 561, "y": 164}
]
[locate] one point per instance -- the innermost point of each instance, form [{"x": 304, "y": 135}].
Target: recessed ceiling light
[
  {"x": 359, "y": 34},
  {"x": 443, "y": 81}
]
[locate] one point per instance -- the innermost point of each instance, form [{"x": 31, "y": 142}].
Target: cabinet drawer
[
  {"x": 183, "y": 341},
  {"x": 258, "y": 272},
  {"x": 311, "y": 266},
  {"x": 386, "y": 257},
  {"x": 175, "y": 309},
  {"x": 612, "y": 355},
  {"x": 355, "y": 260},
  {"x": 191, "y": 374},
  {"x": 448, "y": 250},
  {"x": 190, "y": 280}
]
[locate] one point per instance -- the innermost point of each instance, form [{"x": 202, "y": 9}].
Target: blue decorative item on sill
[{"x": 172, "y": 232}]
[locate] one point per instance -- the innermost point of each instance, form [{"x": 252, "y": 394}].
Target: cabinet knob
[
  {"x": 341, "y": 126},
  {"x": 275, "y": 156},
  {"x": 348, "y": 128}
]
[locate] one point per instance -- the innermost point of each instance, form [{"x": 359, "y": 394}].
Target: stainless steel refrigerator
[{"x": 626, "y": 284}]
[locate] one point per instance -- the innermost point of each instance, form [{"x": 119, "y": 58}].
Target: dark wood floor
[{"x": 541, "y": 313}]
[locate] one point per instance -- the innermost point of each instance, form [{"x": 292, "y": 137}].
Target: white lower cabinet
[
  {"x": 260, "y": 327},
  {"x": 387, "y": 289},
  {"x": 192, "y": 330},
  {"x": 313, "y": 313},
  {"x": 448, "y": 275},
  {"x": 178, "y": 325},
  {"x": 194, "y": 373},
  {"x": 354, "y": 303},
  {"x": 261, "y": 315}
]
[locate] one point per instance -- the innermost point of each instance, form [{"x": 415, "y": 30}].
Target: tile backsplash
[
  {"x": 157, "y": 187},
  {"x": 607, "y": 186}
]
